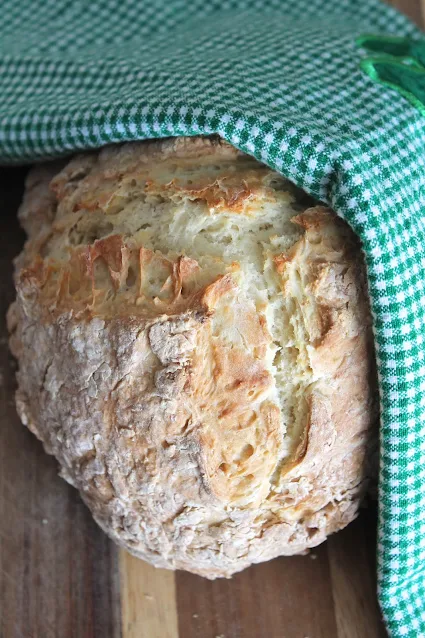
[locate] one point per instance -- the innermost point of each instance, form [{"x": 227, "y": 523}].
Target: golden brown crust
[{"x": 204, "y": 432}]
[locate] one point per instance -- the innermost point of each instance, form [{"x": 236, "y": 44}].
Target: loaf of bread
[{"x": 195, "y": 348}]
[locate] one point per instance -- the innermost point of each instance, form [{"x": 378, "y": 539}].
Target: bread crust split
[{"x": 195, "y": 348}]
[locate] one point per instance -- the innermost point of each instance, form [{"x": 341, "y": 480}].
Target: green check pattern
[{"x": 280, "y": 80}]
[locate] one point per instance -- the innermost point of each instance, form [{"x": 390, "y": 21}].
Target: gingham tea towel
[{"x": 283, "y": 81}]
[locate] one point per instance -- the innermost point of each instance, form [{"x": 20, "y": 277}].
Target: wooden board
[{"x": 60, "y": 577}]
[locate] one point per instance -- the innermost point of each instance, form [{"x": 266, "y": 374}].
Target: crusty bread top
[
  {"x": 95, "y": 203},
  {"x": 252, "y": 334}
]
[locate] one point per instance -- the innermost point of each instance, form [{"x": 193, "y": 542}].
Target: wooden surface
[{"x": 60, "y": 577}]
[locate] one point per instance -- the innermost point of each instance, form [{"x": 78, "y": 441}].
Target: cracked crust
[{"x": 194, "y": 346}]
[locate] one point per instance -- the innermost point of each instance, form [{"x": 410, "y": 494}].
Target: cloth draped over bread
[{"x": 284, "y": 83}]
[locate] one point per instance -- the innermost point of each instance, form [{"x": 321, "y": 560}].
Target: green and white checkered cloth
[{"x": 280, "y": 80}]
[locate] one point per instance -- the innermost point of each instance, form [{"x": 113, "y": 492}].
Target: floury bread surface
[{"x": 194, "y": 346}]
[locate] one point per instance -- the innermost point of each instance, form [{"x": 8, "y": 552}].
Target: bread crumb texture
[{"x": 195, "y": 348}]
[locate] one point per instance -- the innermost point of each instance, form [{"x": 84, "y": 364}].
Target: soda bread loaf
[{"x": 195, "y": 348}]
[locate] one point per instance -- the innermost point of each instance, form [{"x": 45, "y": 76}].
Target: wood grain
[
  {"x": 148, "y": 596},
  {"x": 411, "y": 8},
  {"x": 352, "y": 569},
  {"x": 283, "y": 598}
]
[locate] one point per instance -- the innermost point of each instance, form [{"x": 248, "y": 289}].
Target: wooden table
[{"x": 60, "y": 577}]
